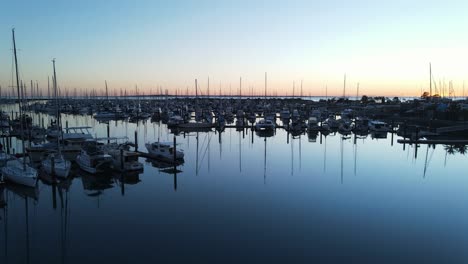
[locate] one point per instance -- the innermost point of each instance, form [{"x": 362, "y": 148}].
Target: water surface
[{"x": 242, "y": 198}]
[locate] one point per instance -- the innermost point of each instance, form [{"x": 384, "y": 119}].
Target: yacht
[
  {"x": 285, "y": 114},
  {"x": 92, "y": 159},
  {"x": 175, "y": 120},
  {"x": 125, "y": 160},
  {"x": 345, "y": 126},
  {"x": 312, "y": 124},
  {"x": 332, "y": 122},
  {"x": 378, "y": 126},
  {"x": 164, "y": 151},
  {"x": 265, "y": 124}
]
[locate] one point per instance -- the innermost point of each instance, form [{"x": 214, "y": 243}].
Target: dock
[{"x": 435, "y": 141}]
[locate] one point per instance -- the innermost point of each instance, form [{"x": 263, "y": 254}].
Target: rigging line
[
  {"x": 203, "y": 143},
  {"x": 204, "y": 154}
]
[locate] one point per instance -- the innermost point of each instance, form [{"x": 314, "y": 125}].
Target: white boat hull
[
  {"x": 61, "y": 167},
  {"x": 18, "y": 173}
]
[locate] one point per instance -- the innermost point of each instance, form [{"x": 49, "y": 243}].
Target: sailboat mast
[
  {"x": 301, "y": 89},
  {"x": 107, "y": 92},
  {"x": 294, "y": 87},
  {"x": 240, "y": 88},
  {"x": 430, "y": 79},
  {"x": 344, "y": 87},
  {"x": 59, "y": 127},
  {"x": 265, "y": 85},
  {"x": 19, "y": 93},
  {"x": 357, "y": 92}
]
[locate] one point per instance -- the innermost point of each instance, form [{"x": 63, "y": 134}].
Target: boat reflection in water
[
  {"x": 168, "y": 168},
  {"x": 25, "y": 193},
  {"x": 2, "y": 196},
  {"x": 94, "y": 185},
  {"x": 129, "y": 177},
  {"x": 378, "y": 134},
  {"x": 265, "y": 133}
]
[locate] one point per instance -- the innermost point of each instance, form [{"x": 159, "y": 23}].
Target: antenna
[
  {"x": 463, "y": 89},
  {"x": 294, "y": 87},
  {"x": 430, "y": 79},
  {"x": 357, "y": 92},
  {"x": 107, "y": 93},
  {"x": 301, "y": 89},
  {"x": 344, "y": 87}
]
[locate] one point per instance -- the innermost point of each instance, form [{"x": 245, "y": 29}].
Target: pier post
[
  {"x": 175, "y": 178},
  {"x": 52, "y": 172},
  {"x": 136, "y": 141},
  {"x": 66, "y": 126},
  {"x": 175, "y": 154},
  {"x": 54, "y": 195},
  {"x": 8, "y": 146},
  {"x": 108, "y": 133},
  {"x": 122, "y": 187},
  {"x": 121, "y": 160},
  {"x": 404, "y": 130}
]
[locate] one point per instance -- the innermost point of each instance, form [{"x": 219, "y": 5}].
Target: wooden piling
[
  {"x": 136, "y": 140},
  {"x": 175, "y": 153},
  {"x": 122, "y": 160},
  {"x": 54, "y": 195},
  {"x": 52, "y": 172},
  {"x": 108, "y": 133}
]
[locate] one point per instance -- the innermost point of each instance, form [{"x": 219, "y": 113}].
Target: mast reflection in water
[{"x": 248, "y": 197}]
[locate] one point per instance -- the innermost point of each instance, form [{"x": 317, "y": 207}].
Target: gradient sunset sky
[{"x": 386, "y": 46}]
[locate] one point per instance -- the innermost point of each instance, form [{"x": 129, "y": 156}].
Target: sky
[{"x": 385, "y": 46}]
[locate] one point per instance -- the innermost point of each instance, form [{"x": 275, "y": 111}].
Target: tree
[{"x": 364, "y": 99}]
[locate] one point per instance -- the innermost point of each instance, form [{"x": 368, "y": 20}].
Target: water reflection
[
  {"x": 94, "y": 186},
  {"x": 351, "y": 193}
]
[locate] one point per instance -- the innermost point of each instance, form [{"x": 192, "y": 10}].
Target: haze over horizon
[{"x": 384, "y": 46}]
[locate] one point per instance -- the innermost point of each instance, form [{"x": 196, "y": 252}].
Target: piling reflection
[{"x": 222, "y": 173}]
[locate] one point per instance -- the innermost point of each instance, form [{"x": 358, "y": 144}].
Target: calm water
[{"x": 241, "y": 198}]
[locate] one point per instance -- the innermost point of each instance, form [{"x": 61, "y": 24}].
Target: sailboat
[
  {"x": 57, "y": 164},
  {"x": 16, "y": 170}
]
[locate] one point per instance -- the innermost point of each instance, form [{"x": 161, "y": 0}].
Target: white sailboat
[
  {"x": 16, "y": 170},
  {"x": 56, "y": 164}
]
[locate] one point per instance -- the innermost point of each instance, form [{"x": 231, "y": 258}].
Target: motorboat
[
  {"x": 379, "y": 126},
  {"x": 265, "y": 124},
  {"x": 125, "y": 160},
  {"x": 312, "y": 124},
  {"x": 164, "y": 151},
  {"x": 92, "y": 159}
]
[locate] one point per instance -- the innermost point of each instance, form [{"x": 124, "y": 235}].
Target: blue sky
[{"x": 384, "y": 45}]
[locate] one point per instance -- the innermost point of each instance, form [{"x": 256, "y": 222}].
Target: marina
[
  {"x": 233, "y": 132},
  {"x": 224, "y": 170}
]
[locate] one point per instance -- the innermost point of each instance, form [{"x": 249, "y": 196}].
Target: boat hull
[
  {"x": 18, "y": 175},
  {"x": 61, "y": 167}
]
